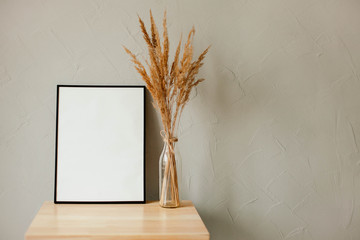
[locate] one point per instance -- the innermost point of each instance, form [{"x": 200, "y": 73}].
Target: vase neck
[{"x": 167, "y": 137}]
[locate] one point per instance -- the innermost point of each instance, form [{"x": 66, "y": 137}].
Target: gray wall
[{"x": 269, "y": 143}]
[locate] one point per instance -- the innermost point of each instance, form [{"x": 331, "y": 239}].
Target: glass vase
[{"x": 169, "y": 165}]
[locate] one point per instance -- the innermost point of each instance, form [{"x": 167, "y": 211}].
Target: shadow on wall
[{"x": 153, "y": 149}]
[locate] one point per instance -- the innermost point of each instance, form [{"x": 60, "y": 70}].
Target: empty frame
[{"x": 100, "y": 144}]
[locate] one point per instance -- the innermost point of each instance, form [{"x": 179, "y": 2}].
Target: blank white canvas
[{"x": 100, "y": 151}]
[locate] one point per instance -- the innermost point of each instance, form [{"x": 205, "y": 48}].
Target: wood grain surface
[{"x": 116, "y": 221}]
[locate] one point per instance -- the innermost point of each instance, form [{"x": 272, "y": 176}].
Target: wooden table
[{"x": 116, "y": 221}]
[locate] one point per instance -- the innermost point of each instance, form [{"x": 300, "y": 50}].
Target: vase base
[{"x": 170, "y": 205}]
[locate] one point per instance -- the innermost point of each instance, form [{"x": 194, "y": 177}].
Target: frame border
[{"x": 56, "y": 143}]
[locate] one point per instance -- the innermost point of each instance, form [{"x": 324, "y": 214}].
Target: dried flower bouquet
[{"x": 170, "y": 87}]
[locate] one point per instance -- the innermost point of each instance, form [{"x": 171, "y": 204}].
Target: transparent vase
[{"x": 169, "y": 167}]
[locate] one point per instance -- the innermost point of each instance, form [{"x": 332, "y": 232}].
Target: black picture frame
[{"x": 59, "y": 121}]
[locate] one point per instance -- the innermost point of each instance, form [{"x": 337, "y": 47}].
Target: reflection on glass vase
[{"x": 169, "y": 170}]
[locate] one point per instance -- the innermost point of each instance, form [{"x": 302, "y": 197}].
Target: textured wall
[{"x": 269, "y": 143}]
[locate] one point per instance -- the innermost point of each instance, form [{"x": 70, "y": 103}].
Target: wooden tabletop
[{"x": 116, "y": 221}]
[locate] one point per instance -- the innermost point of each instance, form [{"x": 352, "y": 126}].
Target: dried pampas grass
[{"x": 169, "y": 85}]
